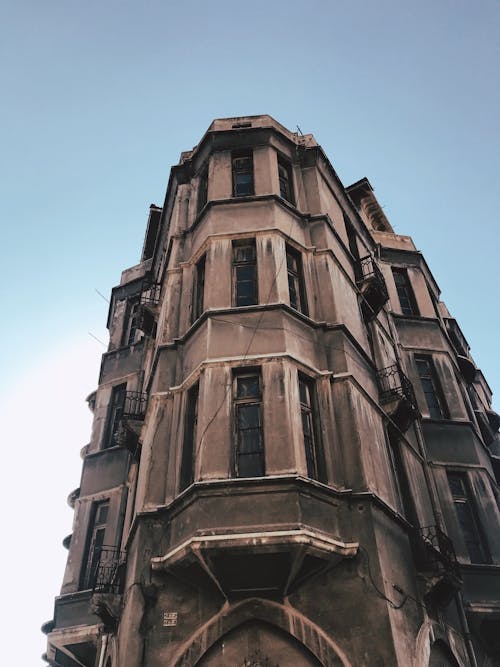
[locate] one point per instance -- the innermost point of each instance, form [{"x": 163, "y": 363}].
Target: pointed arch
[{"x": 284, "y": 618}]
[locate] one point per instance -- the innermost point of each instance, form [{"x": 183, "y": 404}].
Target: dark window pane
[
  {"x": 405, "y": 292},
  {"x": 189, "y": 444},
  {"x": 304, "y": 392},
  {"x": 251, "y": 465},
  {"x": 248, "y": 386},
  {"x": 249, "y": 416},
  {"x": 249, "y": 456},
  {"x": 431, "y": 388},
  {"x": 242, "y": 175},
  {"x": 467, "y": 519}
]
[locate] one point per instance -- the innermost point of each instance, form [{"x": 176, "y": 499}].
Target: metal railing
[
  {"x": 368, "y": 270},
  {"x": 108, "y": 572},
  {"x": 150, "y": 294},
  {"x": 439, "y": 549},
  {"x": 372, "y": 286},
  {"x": 393, "y": 383},
  {"x": 134, "y": 405}
]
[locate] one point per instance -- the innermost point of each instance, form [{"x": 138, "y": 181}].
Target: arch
[
  {"x": 286, "y": 619},
  {"x": 441, "y": 655},
  {"x": 438, "y": 646}
]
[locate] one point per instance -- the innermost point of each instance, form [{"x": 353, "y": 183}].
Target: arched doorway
[{"x": 258, "y": 644}]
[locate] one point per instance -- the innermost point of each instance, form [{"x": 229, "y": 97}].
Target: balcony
[
  {"x": 371, "y": 284},
  {"x": 396, "y": 394},
  {"x": 107, "y": 586},
  {"x": 436, "y": 559},
  {"x": 134, "y": 406},
  {"x": 265, "y": 563},
  {"x": 150, "y": 294},
  {"x": 107, "y": 574}
]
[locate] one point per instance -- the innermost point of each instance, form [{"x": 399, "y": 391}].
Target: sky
[{"x": 98, "y": 101}]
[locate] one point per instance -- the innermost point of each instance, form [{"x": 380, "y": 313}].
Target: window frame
[
  {"x": 188, "y": 456},
  {"x": 132, "y": 321},
  {"x": 238, "y": 170},
  {"x": 115, "y": 413},
  {"x": 239, "y": 402},
  {"x": 202, "y": 198},
  {"x": 238, "y": 264},
  {"x": 285, "y": 178},
  {"x": 296, "y": 279},
  {"x": 404, "y": 289},
  {"x": 199, "y": 288},
  {"x": 438, "y": 408},
  {"x": 313, "y": 451},
  {"x": 477, "y": 548},
  {"x": 93, "y": 544}
]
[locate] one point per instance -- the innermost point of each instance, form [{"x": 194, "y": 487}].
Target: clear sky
[{"x": 98, "y": 101}]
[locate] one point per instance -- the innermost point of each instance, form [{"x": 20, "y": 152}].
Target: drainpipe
[
  {"x": 104, "y": 646},
  {"x": 466, "y": 630}
]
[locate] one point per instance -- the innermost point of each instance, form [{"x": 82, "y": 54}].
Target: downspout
[{"x": 104, "y": 647}]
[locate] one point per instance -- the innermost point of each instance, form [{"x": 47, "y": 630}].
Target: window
[
  {"x": 189, "y": 446},
  {"x": 199, "y": 288},
  {"x": 249, "y": 455},
  {"x": 203, "y": 189},
  {"x": 115, "y": 414},
  {"x": 131, "y": 322},
  {"x": 242, "y": 173},
  {"x": 95, "y": 541},
  {"x": 285, "y": 176},
  {"x": 296, "y": 289},
  {"x": 467, "y": 518},
  {"x": 352, "y": 239},
  {"x": 400, "y": 476},
  {"x": 431, "y": 387},
  {"x": 405, "y": 292},
  {"x": 315, "y": 467},
  {"x": 244, "y": 273}
]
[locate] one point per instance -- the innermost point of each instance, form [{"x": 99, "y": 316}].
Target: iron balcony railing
[
  {"x": 134, "y": 405},
  {"x": 372, "y": 285},
  {"x": 393, "y": 384},
  {"x": 150, "y": 294},
  {"x": 439, "y": 549},
  {"x": 108, "y": 572}
]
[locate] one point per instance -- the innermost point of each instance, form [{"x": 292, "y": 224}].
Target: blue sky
[{"x": 100, "y": 98}]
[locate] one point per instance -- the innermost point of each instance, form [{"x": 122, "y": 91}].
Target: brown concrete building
[{"x": 294, "y": 461}]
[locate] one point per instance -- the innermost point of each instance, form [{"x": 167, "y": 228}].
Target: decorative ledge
[{"x": 263, "y": 563}]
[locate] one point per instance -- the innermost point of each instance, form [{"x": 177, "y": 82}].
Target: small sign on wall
[{"x": 169, "y": 619}]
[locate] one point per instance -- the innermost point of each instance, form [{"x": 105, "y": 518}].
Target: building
[{"x": 294, "y": 460}]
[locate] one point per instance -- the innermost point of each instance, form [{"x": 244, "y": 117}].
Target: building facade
[{"x": 294, "y": 460}]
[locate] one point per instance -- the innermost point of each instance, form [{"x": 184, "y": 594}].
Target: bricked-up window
[
  {"x": 242, "y": 162},
  {"x": 431, "y": 387},
  {"x": 405, "y": 292},
  {"x": 203, "y": 189},
  {"x": 95, "y": 541},
  {"x": 115, "y": 414},
  {"x": 244, "y": 273},
  {"x": 296, "y": 289},
  {"x": 315, "y": 465},
  {"x": 249, "y": 445},
  {"x": 467, "y": 518},
  {"x": 189, "y": 445},
  {"x": 199, "y": 288},
  {"x": 131, "y": 322},
  {"x": 286, "y": 180}
]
